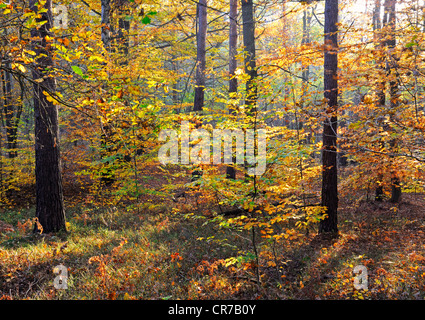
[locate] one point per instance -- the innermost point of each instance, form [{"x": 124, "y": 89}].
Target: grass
[{"x": 116, "y": 253}]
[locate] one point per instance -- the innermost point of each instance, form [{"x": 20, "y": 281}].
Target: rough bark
[
  {"x": 329, "y": 153},
  {"x": 50, "y": 210}
]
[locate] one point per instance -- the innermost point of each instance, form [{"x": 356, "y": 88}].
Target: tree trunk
[
  {"x": 123, "y": 30},
  {"x": 12, "y": 112},
  {"x": 107, "y": 176},
  {"x": 233, "y": 82},
  {"x": 106, "y": 23},
  {"x": 249, "y": 55},
  {"x": 329, "y": 154},
  {"x": 50, "y": 210},
  {"x": 394, "y": 95},
  {"x": 200, "y": 56},
  {"x": 387, "y": 43},
  {"x": 379, "y": 190},
  {"x": 248, "y": 30}
]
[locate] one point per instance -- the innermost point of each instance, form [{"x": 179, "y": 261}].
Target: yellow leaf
[
  {"x": 18, "y": 66},
  {"x": 30, "y": 52}
]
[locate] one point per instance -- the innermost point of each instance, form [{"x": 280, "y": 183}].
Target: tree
[
  {"x": 249, "y": 55},
  {"x": 329, "y": 152},
  {"x": 379, "y": 190},
  {"x": 233, "y": 81},
  {"x": 106, "y": 23},
  {"x": 387, "y": 42},
  {"x": 50, "y": 210},
  {"x": 390, "y": 13},
  {"x": 12, "y": 111},
  {"x": 200, "y": 55}
]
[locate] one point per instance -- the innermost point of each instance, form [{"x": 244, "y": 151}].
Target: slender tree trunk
[
  {"x": 106, "y": 136},
  {"x": 379, "y": 190},
  {"x": 106, "y": 23},
  {"x": 391, "y": 8},
  {"x": 233, "y": 82},
  {"x": 305, "y": 68},
  {"x": 50, "y": 210},
  {"x": 248, "y": 30},
  {"x": 306, "y": 40},
  {"x": 123, "y": 30},
  {"x": 12, "y": 113},
  {"x": 249, "y": 55},
  {"x": 329, "y": 154},
  {"x": 200, "y": 56},
  {"x": 387, "y": 41}
]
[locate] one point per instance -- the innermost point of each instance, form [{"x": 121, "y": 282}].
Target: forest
[{"x": 212, "y": 150}]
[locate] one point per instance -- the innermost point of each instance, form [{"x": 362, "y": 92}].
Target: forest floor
[{"x": 151, "y": 253}]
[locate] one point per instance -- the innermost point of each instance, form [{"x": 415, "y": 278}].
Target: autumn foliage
[{"x": 140, "y": 229}]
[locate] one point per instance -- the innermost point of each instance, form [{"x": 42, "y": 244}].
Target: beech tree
[
  {"x": 249, "y": 54},
  {"x": 233, "y": 81},
  {"x": 201, "y": 36}
]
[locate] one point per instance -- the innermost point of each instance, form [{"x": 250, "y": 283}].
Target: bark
[
  {"x": 233, "y": 42},
  {"x": 248, "y": 30},
  {"x": 123, "y": 30},
  {"x": 233, "y": 82},
  {"x": 249, "y": 55},
  {"x": 106, "y": 136},
  {"x": 329, "y": 153},
  {"x": 50, "y": 210},
  {"x": 379, "y": 190},
  {"x": 306, "y": 40},
  {"x": 387, "y": 43},
  {"x": 201, "y": 56},
  {"x": 395, "y": 179},
  {"x": 12, "y": 114},
  {"x": 106, "y": 23}
]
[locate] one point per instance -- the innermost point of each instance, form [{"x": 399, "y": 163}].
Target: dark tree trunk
[
  {"x": 50, "y": 210},
  {"x": 233, "y": 82},
  {"x": 379, "y": 190},
  {"x": 390, "y": 6},
  {"x": 200, "y": 56},
  {"x": 249, "y": 54},
  {"x": 233, "y": 42},
  {"x": 12, "y": 113},
  {"x": 329, "y": 154},
  {"x": 248, "y": 30}
]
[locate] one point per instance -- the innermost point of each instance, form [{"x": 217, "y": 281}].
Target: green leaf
[
  {"x": 77, "y": 70},
  {"x": 146, "y": 20},
  {"x": 411, "y": 44}
]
